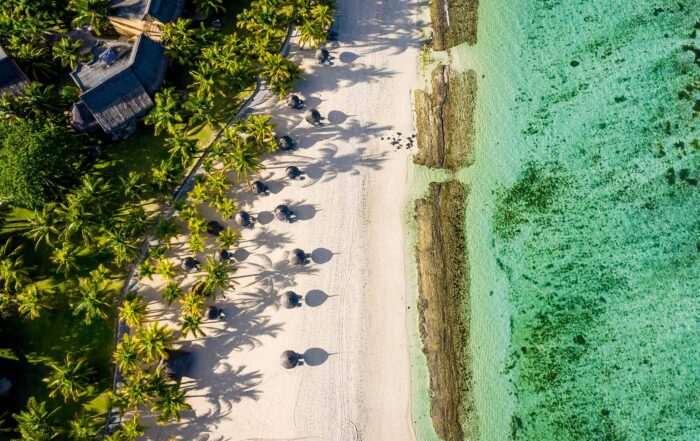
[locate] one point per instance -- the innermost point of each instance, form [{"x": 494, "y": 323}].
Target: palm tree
[
  {"x": 225, "y": 206},
  {"x": 197, "y": 224},
  {"x": 36, "y": 423},
  {"x": 133, "y": 311},
  {"x": 92, "y": 12},
  {"x": 244, "y": 159},
  {"x": 195, "y": 242},
  {"x": 262, "y": 130},
  {"x": 136, "y": 220},
  {"x": 217, "y": 182},
  {"x": 166, "y": 230},
  {"x": 311, "y": 32},
  {"x": 228, "y": 238},
  {"x": 42, "y": 226},
  {"x": 206, "y": 79},
  {"x": 68, "y": 379},
  {"x": 94, "y": 299},
  {"x": 164, "y": 175},
  {"x": 154, "y": 341},
  {"x": 179, "y": 38},
  {"x": 171, "y": 292},
  {"x": 200, "y": 192},
  {"x": 146, "y": 269},
  {"x": 208, "y": 7},
  {"x": 126, "y": 354},
  {"x": 67, "y": 51},
  {"x": 64, "y": 258},
  {"x": 170, "y": 403},
  {"x": 122, "y": 245},
  {"x": 137, "y": 390},
  {"x": 280, "y": 73},
  {"x": 132, "y": 186},
  {"x": 191, "y": 324},
  {"x": 216, "y": 275},
  {"x": 31, "y": 57},
  {"x": 130, "y": 430},
  {"x": 38, "y": 100},
  {"x": 165, "y": 268},
  {"x": 181, "y": 147},
  {"x": 31, "y": 301},
  {"x": 323, "y": 15},
  {"x": 193, "y": 304},
  {"x": 166, "y": 113},
  {"x": 13, "y": 272},
  {"x": 201, "y": 108},
  {"x": 84, "y": 427}
]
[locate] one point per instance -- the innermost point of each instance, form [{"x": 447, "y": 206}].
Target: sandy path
[{"x": 351, "y": 328}]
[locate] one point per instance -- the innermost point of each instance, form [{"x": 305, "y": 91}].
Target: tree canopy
[{"x": 35, "y": 157}]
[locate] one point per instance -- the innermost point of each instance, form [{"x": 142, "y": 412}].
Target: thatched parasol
[
  {"x": 285, "y": 143},
  {"x": 214, "y": 313},
  {"x": 289, "y": 359},
  {"x": 260, "y": 188},
  {"x": 297, "y": 257},
  {"x": 283, "y": 213},
  {"x": 243, "y": 219},
  {"x": 222, "y": 256},
  {"x": 313, "y": 116},
  {"x": 322, "y": 55},
  {"x": 190, "y": 264},
  {"x": 292, "y": 172},
  {"x": 176, "y": 364},
  {"x": 214, "y": 228},
  {"x": 290, "y": 300},
  {"x": 295, "y": 102}
]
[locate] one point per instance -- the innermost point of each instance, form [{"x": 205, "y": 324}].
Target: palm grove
[{"x": 73, "y": 223}]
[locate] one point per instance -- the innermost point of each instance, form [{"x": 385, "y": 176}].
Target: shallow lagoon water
[{"x": 586, "y": 304}]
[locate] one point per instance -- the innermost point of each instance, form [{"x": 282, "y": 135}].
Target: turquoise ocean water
[
  {"x": 584, "y": 220},
  {"x": 585, "y": 289}
]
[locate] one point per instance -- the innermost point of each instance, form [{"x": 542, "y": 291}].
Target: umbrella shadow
[
  {"x": 348, "y": 57},
  {"x": 315, "y": 356},
  {"x": 336, "y": 117},
  {"x": 322, "y": 255},
  {"x": 315, "y": 298}
]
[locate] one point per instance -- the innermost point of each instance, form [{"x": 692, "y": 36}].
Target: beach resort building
[
  {"x": 134, "y": 17},
  {"x": 117, "y": 86},
  {"x": 12, "y": 79}
]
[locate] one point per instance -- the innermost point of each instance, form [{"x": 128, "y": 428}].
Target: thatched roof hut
[
  {"x": 117, "y": 85},
  {"x": 290, "y": 300},
  {"x": 285, "y": 143},
  {"x": 244, "y": 219},
  {"x": 214, "y": 228},
  {"x": 176, "y": 364},
  {"x": 133, "y": 17},
  {"x": 260, "y": 188},
  {"x": 297, "y": 257},
  {"x": 292, "y": 172},
  {"x": 289, "y": 359},
  {"x": 283, "y": 213},
  {"x": 189, "y": 263},
  {"x": 313, "y": 116},
  {"x": 12, "y": 79},
  {"x": 295, "y": 102},
  {"x": 323, "y": 56}
]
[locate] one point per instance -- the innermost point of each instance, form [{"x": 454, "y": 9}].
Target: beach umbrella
[
  {"x": 289, "y": 359},
  {"x": 260, "y": 188},
  {"x": 285, "y": 143},
  {"x": 290, "y": 300},
  {"x": 294, "y": 101},
  {"x": 213, "y": 313},
  {"x": 322, "y": 55},
  {"x": 223, "y": 256},
  {"x": 283, "y": 213},
  {"x": 214, "y": 228},
  {"x": 313, "y": 116},
  {"x": 292, "y": 172},
  {"x": 190, "y": 264},
  {"x": 243, "y": 219},
  {"x": 297, "y": 257}
]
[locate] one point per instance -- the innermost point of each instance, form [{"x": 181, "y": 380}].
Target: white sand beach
[{"x": 354, "y": 382}]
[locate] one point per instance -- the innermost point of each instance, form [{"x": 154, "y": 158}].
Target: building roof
[
  {"x": 118, "y": 83},
  {"x": 162, "y": 10},
  {"x": 12, "y": 79}
]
